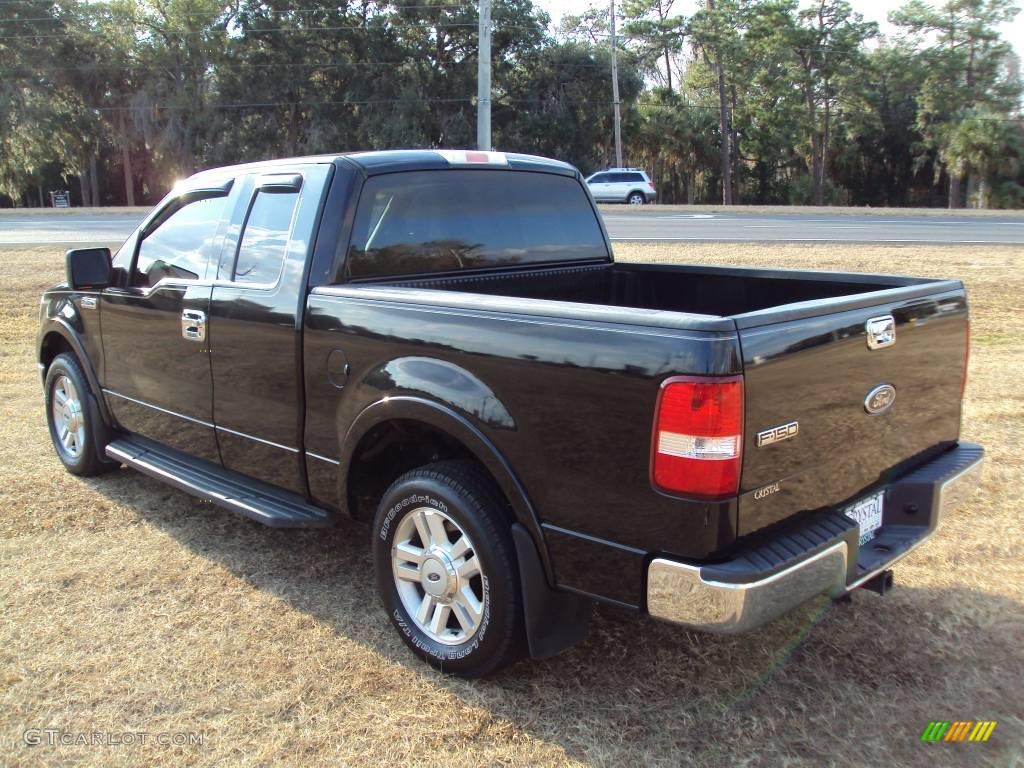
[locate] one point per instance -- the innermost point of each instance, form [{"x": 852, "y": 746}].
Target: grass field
[{"x": 129, "y": 607}]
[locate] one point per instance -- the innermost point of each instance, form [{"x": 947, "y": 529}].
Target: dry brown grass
[{"x": 130, "y": 607}]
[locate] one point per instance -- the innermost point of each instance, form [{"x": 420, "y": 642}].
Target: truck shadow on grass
[{"x": 635, "y": 691}]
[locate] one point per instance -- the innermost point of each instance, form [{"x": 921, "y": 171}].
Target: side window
[
  {"x": 265, "y": 237},
  {"x": 634, "y": 177},
  {"x": 181, "y": 247},
  {"x": 618, "y": 178},
  {"x": 601, "y": 178}
]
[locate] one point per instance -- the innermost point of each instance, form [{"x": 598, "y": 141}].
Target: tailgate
[{"x": 818, "y": 371}]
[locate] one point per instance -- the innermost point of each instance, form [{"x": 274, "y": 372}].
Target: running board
[{"x": 256, "y": 500}]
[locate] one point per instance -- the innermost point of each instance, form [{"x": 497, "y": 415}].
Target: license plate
[{"x": 867, "y": 513}]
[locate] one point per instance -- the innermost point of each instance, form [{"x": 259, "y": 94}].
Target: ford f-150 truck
[{"x": 440, "y": 343}]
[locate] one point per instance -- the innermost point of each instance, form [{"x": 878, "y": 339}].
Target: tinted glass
[
  {"x": 431, "y": 221},
  {"x": 633, "y": 176},
  {"x": 265, "y": 239},
  {"x": 181, "y": 247},
  {"x": 601, "y": 178}
]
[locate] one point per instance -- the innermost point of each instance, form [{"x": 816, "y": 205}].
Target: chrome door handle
[{"x": 193, "y": 325}]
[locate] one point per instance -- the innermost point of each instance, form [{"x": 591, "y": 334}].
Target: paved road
[
  {"x": 66, "y": 229},
  {"x": 647, "y": 224}
]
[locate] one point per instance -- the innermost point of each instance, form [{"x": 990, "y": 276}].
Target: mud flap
[{"x": 555, "y": 620}]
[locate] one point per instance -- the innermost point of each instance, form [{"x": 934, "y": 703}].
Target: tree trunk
[
  {"x": 820, "y": 192},
  {"x": 723, "y": 127},
  {"x": 954, "y": 189},
  {"x": 126, "y": 164},
  {"x": 83, "y": 180},
  {"x": 817, "y": 192},
  {"x": 735, "y": 140},
  {"x": 668, "y": 68},
  {"x": 94, "y": 180}
]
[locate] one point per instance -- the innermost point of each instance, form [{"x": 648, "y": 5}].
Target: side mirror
[{"x": 88, "y": 268}]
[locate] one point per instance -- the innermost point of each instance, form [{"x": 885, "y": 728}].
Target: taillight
[
  {"x": 967, "y": 360},
  {"x": 698, "y": 436},
  {"x": 650, "y": 184}
]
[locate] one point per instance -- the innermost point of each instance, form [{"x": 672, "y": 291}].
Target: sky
[{"x": 872, "y": 10}]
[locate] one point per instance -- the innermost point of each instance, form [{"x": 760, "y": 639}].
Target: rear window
[{"x": 433, "y": 221}]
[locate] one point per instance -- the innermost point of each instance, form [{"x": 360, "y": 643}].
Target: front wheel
[
  {"x": 446, "y": 569},
  {"x": 636, "y": 198},
  {"x": 73, "y": 418}
]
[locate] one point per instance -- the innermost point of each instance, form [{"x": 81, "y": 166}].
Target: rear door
[
  {"x": 818, "y": 393},
  {"x": 619, "y": 187},
  {"x": 156, "y": 377},
  {"x": 255, "y": 324}
]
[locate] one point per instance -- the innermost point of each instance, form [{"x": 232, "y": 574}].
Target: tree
[
  {"x": 42, "y": 120},
  {"x": 827, "y": 42},
  {"x": 657, "y": 32},
  {"x": 978, "y": 145},
  {"x": 714, "y": 34},
  {"x": 553, "y": 105},
  {"x": 883, "y": 160},
  {"x": 967, "y": 69}
]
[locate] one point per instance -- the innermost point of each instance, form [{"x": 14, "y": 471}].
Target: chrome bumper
[{"x": 687, "y": 595}]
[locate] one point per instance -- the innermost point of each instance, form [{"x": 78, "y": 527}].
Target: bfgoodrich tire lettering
[{"x": 435, "y": 525}]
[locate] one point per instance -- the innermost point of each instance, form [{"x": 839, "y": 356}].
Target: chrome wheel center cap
[{"x": 438, "y": 577}]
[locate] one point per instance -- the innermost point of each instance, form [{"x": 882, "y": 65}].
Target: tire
[
  {"x": 636, "y": 198},
  {"x": 72, "y": 415},
  {"x": 453, "y": 511}
]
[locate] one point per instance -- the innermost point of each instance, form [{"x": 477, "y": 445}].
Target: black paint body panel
[
  {"x": 158, "y": 384},
  {"x": 818, "y": 372}
]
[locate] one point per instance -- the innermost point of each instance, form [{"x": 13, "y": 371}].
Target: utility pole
[
  {"x": 615, "y": 93},
  {"x": 483, "y": 80}
]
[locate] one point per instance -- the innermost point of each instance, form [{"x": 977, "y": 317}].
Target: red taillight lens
[
  {"x": 651, "y": 183},
  {"x": 698, "y": 436}
]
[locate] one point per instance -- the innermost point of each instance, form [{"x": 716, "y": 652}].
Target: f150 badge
[{"x": 778, "y": 434}]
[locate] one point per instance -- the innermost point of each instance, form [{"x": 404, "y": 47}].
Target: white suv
[{"x": 622, "y": 185}]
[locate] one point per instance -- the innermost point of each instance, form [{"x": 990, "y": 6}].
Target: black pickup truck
[{"x": 439, "y": 343}]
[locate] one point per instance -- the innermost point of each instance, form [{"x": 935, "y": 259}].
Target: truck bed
[
  {"x": 689, "y": 289},
  {"x": 800, "y": 342}
]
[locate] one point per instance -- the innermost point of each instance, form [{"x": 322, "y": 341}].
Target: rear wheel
[
  {"x": 73, "y": 418},
  {"x": 636, "y": 198},
  {"x": 446, "y": 569}
]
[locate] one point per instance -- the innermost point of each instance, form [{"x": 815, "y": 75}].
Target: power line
[
  {"x": 244, "y": 105},
  {"x": 264, "y": 12},
  {"x": 36, "y": 72},
  {"x": 281, "y": 30}
]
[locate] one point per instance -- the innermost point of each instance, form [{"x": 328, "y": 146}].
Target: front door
[
  {"x": 157, "y": 379},
  {"x": 599, "y": 187}
]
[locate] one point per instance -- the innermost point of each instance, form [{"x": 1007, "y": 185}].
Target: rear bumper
[{"x": 819, "y": 556}]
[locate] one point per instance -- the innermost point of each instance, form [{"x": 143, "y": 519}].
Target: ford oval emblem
[{"x": 880, "y": 399}]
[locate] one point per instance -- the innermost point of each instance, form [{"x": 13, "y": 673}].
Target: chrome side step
[{"x": 256, "y": 500}]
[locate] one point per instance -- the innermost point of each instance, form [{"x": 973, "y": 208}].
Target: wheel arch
[
  {"x": 57, "y": 337},
  {"x": 460, "y": 436}
]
